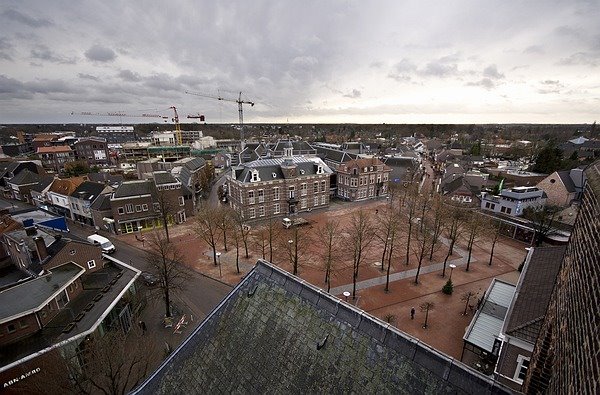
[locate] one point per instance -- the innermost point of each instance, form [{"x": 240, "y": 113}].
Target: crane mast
[
  {"x": 178, "y": 135},
  {"x": 239, "y": 102}
]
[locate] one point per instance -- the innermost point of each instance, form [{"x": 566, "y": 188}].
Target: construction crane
[
  {"x": 196, "y": 116},
  {"x": 118, "y": 114},
  {"x": 178, "y": 135},
  {"x": 239, "y": 102}
]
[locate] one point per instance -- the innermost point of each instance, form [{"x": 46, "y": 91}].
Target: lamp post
[
  {"x": 219, "y": 260},
  {"x": 452, "y": 266},
  {"x": 346, "y": 295}
]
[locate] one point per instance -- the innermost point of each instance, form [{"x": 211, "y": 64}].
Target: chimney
[
  {"x": 40, "y": 246},
  {"x": 31, "y": 231}
]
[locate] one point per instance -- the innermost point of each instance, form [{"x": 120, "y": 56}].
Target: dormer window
[
  {"x": 274, "y": 175},
  {"x": 319, "y": 169},
  {"x": 255, "y": 177},
  {"x": 302, "y": 171}
]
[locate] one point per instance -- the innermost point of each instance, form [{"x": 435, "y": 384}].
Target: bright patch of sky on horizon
[{"x": 302, "y": 61}]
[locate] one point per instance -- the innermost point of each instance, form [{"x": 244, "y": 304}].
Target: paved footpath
[{"x": 372, "y": 282}]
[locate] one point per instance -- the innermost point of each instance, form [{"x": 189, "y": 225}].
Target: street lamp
[
  {"x": 346, "y": 295},
  {"x": 219, "y": 260},
  {"x": 452, "y": 266}
]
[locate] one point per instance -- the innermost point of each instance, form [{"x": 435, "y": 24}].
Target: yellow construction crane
[
  {"x": 239, "y": 102},
  {"x": 178, "y": 135}
]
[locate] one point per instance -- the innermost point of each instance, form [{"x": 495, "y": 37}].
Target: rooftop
[
  {"x": 34, "y": 294},
  {"x": 302, "y": 340},
  {"x": 533, "y": 292},
  {"x": 100, "y": 292},
  {"x": 54, "y": 149}
]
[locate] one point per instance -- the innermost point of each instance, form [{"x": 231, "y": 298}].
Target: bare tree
[
  {"x": 426, "y": 307},
  {"x": 114, "y": 364},
  {"x": 243, "y": 230},
  {"x": 207, "y": 176},
  {"x": 454, "y": 225},
  {"x": 361, "y": 236},
  {"x": 273, "y": 232},
  {"x": 328, "y": 237},
  {"x": 166, "y": 261},
  {"x": 393, "y": 242},
  {"x": 437, "y": 218},
  {"x": 494, "y": 235},
  {"x": 542, "y": 220},
  {"x": 475, "y": 226},
  {"x": 386, "y": 221},
  {"x": 166, "y": 202},
  {"x": 466, "y": 297},
  {"x": 207, "y": 229},
  {"x": 421, "y": 245},
  {"x": 224, "y": 221},
  {"x": 411, "y": 211},
  {"x": 260, "y": 238},
  {"x": 294, "y": 245}
]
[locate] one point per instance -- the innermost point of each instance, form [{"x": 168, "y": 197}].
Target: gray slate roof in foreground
[{"x": 275, "y": 333}]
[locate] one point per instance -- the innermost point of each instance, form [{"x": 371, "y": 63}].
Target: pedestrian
[
  {"x": 143, "y": 326},
  {"x": 412, "y": 313}
]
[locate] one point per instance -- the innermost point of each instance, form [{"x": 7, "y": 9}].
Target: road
[
  {"x": 213, "y": 198},
  {"x": 201, "y": 293}
]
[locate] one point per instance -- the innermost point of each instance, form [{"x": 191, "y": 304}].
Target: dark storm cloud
[
  {"x": 44, "y": 53},
  {"x": 14, "y": 15},
  {"x": 98, "y": 53},
  {"x": 11, "y": 88}
]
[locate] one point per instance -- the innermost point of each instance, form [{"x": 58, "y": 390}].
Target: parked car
[
  {"x": 103, "y": 242},
  {"x": 149, "y": 279}
]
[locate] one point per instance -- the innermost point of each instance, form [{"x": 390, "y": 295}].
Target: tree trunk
[
  {"x": 419, "y": 268},
  {"x": 383, "y": 256},
  {"x": 165, "y": 224},
  {"x": 387, "y": 276},
  {"x": 492, "y": 252},
  {"x": 237, "y": 259},
  {"x": 246, "y": 248},
  {"x": 408, "y": 241},
  {"x": 470, "y": 248},
  {"x": 224, "y": 239},
  {"x": 214, "y": 248},
  {"x": 448, "y": 256},
  {"x": 167, "y": 302}
]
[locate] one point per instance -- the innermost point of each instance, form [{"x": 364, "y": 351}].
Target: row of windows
[
  {"x": 167, "y": 187},
  {"x": 260, "y": 193},
  {"x": 277, "y": 207},
  {"x": 129, "y": 207},
  {"x": 12, "y": 327},
  {"x": 363, "y": 180}
]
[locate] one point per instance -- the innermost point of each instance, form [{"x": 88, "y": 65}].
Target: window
[
  {"x": 261, "y": 211},
  {"x": 252, "y": 212},
  {"x": 11, "y": 328},
  {"x": 255, "y": 176},
  {"x": 487, "y": 205},
  {"x": 323, "y": 186},
  {"x": 276, "y": 208},
  {"x": 23, "y": 324},
  {"x": 138, "y": 208},
  {"x": 378, "y": 178},
  {"x": 156, "y": 207},
  {"x": 353, "y": 182},
  {"x": 261, "y": 195},
  {"x": 181, "y": 201},
  {"x": 508, "y": 210},
  {"x": 129, "y": 208},
  {"x": 521, "y": 371},
  {"x": 303, "y": 203},
  {"x": 385, "y": 177},
  {"x": 121, "y": 210},
  {"x": 303, "y": 189},
  {"x": 372, "y": 179},
  {"x": 355, "y": 171},
  {"x": 316, "y": 186},
  {"x": 292, "y": 192},
  {"x": 316, "y": 201},
  {"x": 144, "y": 207},
  {"x": 276, "y": 193},
  {"x": 72, "y": 252},
  {"x": 371, "y": 168},
  {"x": 324, "y": 199},
  {"x": 91, "y": 264},
  {"x": 250, "y": 197}
]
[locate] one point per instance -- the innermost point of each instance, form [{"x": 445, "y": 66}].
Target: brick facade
[
  {"x": 361, "y": 179},
  {"x": 565, "y": 357},
  {"x": 262, "y": 200}
]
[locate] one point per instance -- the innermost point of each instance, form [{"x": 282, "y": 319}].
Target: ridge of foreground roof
[{"x": 276, "y": 333}]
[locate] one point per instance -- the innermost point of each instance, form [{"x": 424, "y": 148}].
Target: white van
[{"x": 103, "y": 242}]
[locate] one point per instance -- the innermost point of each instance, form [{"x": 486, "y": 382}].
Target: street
[{"x": 201, "y": 294}]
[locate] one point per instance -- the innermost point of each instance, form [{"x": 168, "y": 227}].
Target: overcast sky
[{"x": 303, "y": 61}]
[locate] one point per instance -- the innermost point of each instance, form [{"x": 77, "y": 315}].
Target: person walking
[{"x": 412, "y": 313}]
